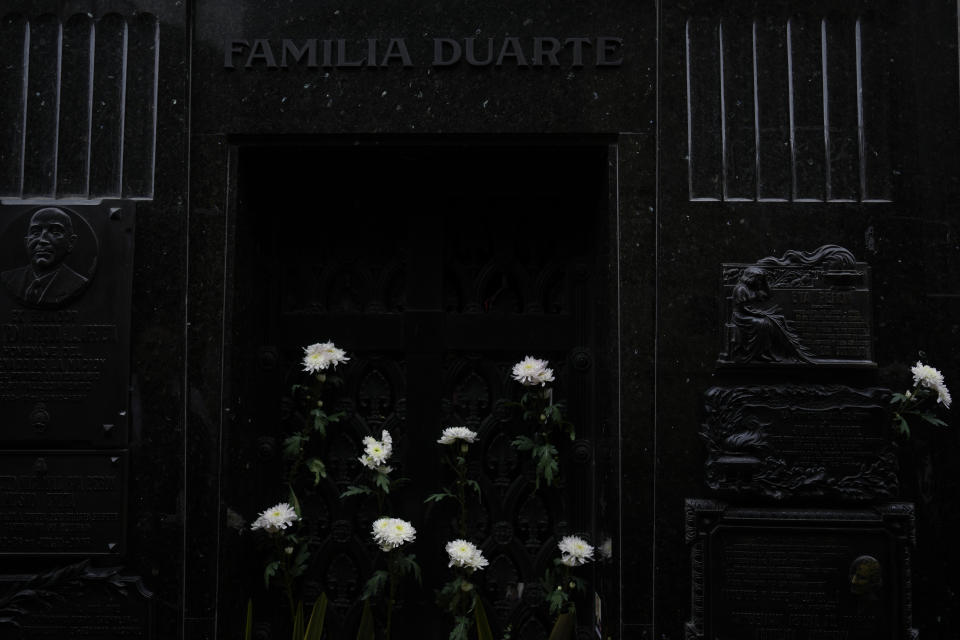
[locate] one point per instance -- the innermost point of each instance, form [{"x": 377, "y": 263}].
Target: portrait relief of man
[{"x": 46, "y": 280}]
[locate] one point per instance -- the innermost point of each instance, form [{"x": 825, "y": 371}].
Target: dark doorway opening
[{"x": 436, "y": 267}]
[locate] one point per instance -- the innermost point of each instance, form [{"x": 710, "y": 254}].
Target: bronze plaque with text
[
  {"x": 798, "y": 441},
  {"x": 804, "y": 308},
  {"x": 65, "y": 290},
  {"x": 62, "y": 502},
  {"x": 800, "y": 574}
]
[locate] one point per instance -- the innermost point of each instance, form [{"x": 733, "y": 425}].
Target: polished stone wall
[{"x": 711, "y": 120}]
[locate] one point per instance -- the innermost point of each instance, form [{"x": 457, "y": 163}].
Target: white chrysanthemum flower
[
  {"x": 322, "y": 355},
  {"x": 378, "y": 450},
  {"x": 943, "y": 397},
  {"x": 465, "y": 554},
  {"x": 926, "y": 376},
  {"x": 531, "y": 372},
  {"x": 371, "y": 464},
  {"x": 452, "y": 434},
  {"x": 931, "y": 378},
  {"x": 390, "y": 533},
  {"x": 275, "y": 518},
  {"x": 574, "y": 551}
]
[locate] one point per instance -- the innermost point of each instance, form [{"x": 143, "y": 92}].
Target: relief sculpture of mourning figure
[
  {"x": 759, "y": 331},
  {"x": 802, "y": 308},
  {"x": 47, "y": 281}
]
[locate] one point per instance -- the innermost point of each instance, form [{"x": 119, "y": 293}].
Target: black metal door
[{"x": 436, "y": 267}]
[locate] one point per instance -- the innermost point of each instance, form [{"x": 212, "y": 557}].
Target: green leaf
[
  {"x": 556, "y": 599},
  {"x": 547, "y": 466},
  {"x": 248, "y": 625},
  {"x": 554, "y": 413},
  {"x": 300, "y": 560},
  {"x": 460, "y": 629},
  {"x": 483, "y": 625},
  {"x": 298, "y": 622},
  {"x": 410, "y": 565},
  {"x": 292, "y": 445},
  {"x": 366, "y": 632},
  {"x": 406, "y": 564},
  {"x": 336, "y": 417},
  {"x": 353, "y": 490},
  {"x": 457, "y": 595},
  {"x": 932, "y": 419},
  {"x": 375, "y": 584},
  {"x": 317, "y": 616},
  {"x": 317, "y": 468},
  {"x": 382, "y": 481},
  {"x": 320, "y": 421},
  {"x": 522, "y": 443},
  {"x": 437, "y": 497},
  {"x": 269, "y": 571},
  {"x": 473, "y": 484},
  {"x": 897, "y": 397},
  {"x": 295, "y": 503},
  {"x": 902, "y": 425}
]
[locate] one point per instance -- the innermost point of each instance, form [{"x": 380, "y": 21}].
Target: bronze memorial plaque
[
  {"x": 62, "y": 502},
  {"x": 65, "y": 290},
  {"x": 801, "y": 574},
  {"x": 793, "y": 440},
  {"x": 804, "y": 308}
]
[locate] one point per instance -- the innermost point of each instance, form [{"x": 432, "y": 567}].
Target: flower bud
[{"x": 319, "y": 403}]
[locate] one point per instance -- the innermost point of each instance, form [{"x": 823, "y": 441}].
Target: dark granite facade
[{"x": 703, "y": 160}]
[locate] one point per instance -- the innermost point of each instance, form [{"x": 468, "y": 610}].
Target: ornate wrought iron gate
[{"x": 436, "y": 268}]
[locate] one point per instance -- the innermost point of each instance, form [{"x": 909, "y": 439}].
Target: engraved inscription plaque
[
  {"x": 799, "y": 441},
  {"x": 804, "y": 308},
  {"x": 805, "y": 574},
  {"x": 62, "y": 502},
  {"x": 76, "y": 601},
  {"x": 65, "y": 323}
]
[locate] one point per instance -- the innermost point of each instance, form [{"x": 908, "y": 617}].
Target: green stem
[
  {"x": 392, "y": 596},
  {"x": 305, "y": 433},
  {"x": 461, "y": 493},
  {"x": 287, "y": 577},
  {"x": 295, "y": 465}
]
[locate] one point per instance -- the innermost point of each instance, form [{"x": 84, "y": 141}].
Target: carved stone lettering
[
  {"x": 798, "y": 441},
  {"x": 77, "y": 601},
  {"x": 64, "y": 324},
  {"x": 802, "y": 574},
  {"x": 804, "y": 308},
  {"x": 60, "y": 502}
]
